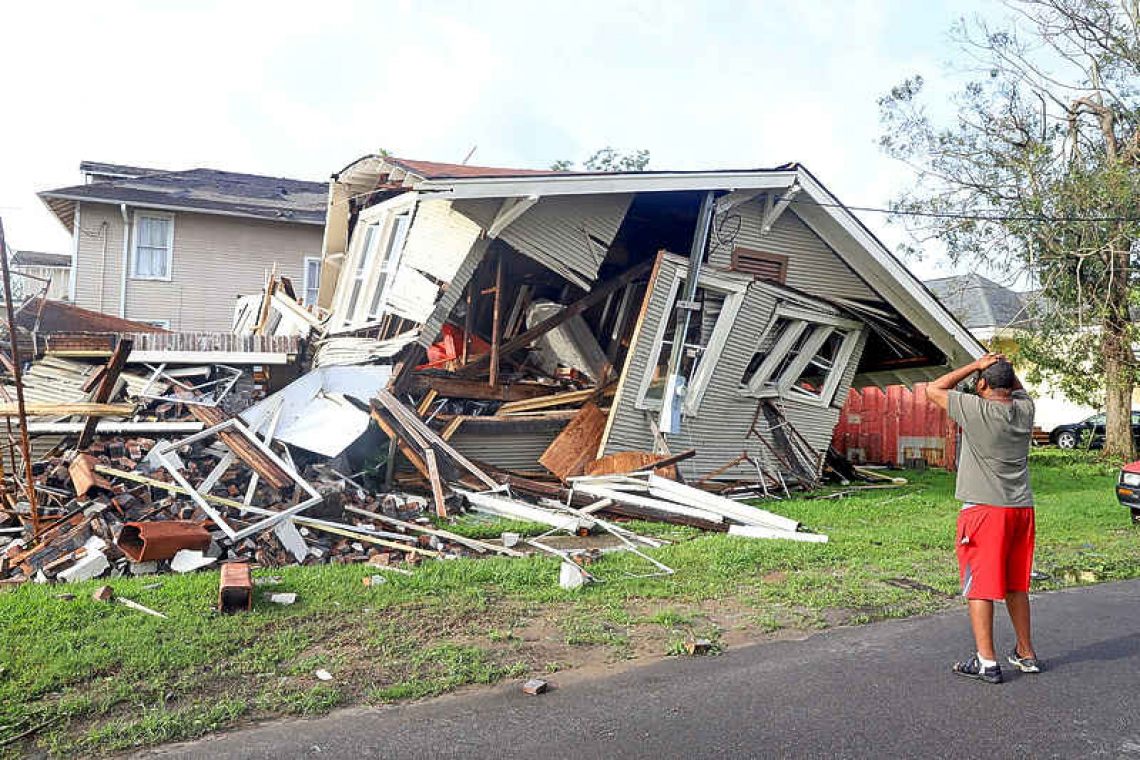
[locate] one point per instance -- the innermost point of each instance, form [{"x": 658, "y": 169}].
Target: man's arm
[{"x": 938, "y": 390}]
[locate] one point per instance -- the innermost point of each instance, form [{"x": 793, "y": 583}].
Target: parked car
[
  {"x": 1072, "y": 435},
  {"x": 1128, "y": 489}
]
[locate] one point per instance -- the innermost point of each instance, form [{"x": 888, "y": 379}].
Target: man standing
[{"x": 996, "y": 523}]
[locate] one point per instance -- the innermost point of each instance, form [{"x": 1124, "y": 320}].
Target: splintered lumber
[
  {"x": 597, "y": 295},
  {"x": 606, "y": 491},
  {"x": 109, "y": 377},
  {"x": 545, "y": 402},
  {"x": 574, "y": 448},
  {"x": 398, "y": 441},
  {"x": 663, "y": 488},
  {"x": 627, "y": 462},
  {"x": 410, "y": 422},
  {"x": 872, "y": 475},
  {"x": 451, "y": 387},
  {"x": 66, "y": 410},
  {"x": 242, "y": 447},
  {"x": 436, "y": 485},
  {"x": 471, "y": 543}
]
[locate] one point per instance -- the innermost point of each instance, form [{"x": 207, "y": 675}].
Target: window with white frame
[
  {"x": 397, "y": 233},
  {"x": 801, "y": 356},
  {"x": 312, "y": 281},
  {"x": 153, "y": 245},
  {"x": 717, "y": 301},
  {"x": 373, "y": 257}
]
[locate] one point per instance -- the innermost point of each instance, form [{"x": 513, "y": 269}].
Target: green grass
[{"x": 109, "y": 678}]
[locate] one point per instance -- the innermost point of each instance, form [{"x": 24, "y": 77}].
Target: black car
[{"x": 1073, "y": 435}]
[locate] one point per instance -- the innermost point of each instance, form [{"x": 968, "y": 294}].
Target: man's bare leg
[
  {"x": 982, "y": 621},
  {"x": 1017, "y": 604}
]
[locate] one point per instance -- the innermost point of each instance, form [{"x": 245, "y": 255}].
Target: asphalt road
[{"x": 881, "y": 690}]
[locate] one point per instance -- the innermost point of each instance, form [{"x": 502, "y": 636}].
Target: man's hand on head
[{"x": 988, "y": 360}]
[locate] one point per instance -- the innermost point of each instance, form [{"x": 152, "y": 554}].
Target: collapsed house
[
  {"x": 728, "y": 312},
  {"x": 567, "y": 349}
]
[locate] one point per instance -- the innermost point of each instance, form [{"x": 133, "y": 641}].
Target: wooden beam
[
  {"x": 496, "y": 321},
  {"x": 555, "y": 399},
  {"x": 416, "y": 460},
  {"x": 107, "y": 382},
  {"x": 509, "y": 211},
  {"x": 242, "y": 447},
  {"x": 454, "y": 387},
  {"x": 594, "y": 296},
  {"x": 66, "y": 410}
]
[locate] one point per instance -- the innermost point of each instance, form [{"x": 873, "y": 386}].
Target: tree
[
  {"x": 1037, "y": 176},
  {"x": 607, "y": 160}
]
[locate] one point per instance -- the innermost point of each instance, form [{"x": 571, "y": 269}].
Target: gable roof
[
  {"x": 58, "y": 316},
  {"x": 207, "y": 191},
  {"x": 978, "y": 302},
  {"x": 41, "y": 259}
]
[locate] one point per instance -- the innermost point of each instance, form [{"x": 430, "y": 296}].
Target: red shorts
[{"x": 995, "y": 550}]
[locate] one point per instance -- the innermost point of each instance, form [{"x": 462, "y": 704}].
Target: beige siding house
[
  {"x": 176, "y": 249},
  {"x": 45, "y": 270}
]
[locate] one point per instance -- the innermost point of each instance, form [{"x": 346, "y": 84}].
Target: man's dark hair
[{"x": 999, "y": 375}]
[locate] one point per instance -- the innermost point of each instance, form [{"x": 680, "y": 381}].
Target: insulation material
[
  {"x": 315, "y": 413},
  {"x": 571, "y": 344},
  {"x": 412, "y": 295},
  {"x": 439, "y": 239}
]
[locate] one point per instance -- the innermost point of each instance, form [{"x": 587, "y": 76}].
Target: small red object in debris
[
  {"x": 235, "y": 592},
  {"x": 161, "y": 539},
  {"x": 103, "y": 594},
  {"x": 84, "y": 477}
]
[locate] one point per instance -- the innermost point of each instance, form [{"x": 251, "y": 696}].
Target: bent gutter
[{"x": 126, "y": 257}]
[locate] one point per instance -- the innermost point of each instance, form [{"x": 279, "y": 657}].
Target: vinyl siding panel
[
  {"x": 720, "y": 430},
  {"x": 557, "y": 231},
  {"x": 511, "y": 451},
  {"x": 813, "y": 266},
  {"x": 439, "y": 240},
  {"x": 215, "y": 259}
]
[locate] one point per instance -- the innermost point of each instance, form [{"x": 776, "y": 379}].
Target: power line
[{"x": 971, "y": 217}]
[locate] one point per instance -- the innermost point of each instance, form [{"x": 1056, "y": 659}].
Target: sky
[{"x": 302, "y": 89}]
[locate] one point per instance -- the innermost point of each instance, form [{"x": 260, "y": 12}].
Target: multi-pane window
[
  {"x": 363, "y": 265},
  {"x": 801, "y": 356},
  {"x": 696, "y": 342},
  {"x": 312, "y": 280},
  {"x": 397, "y": 234},
  {"x": 154, "y": 242}
]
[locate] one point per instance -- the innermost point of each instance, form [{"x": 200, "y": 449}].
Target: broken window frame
[
  {"x": 353, "y": 312},
  {"x": 733, "y": 289},
  {"x": 818, "y": 326},
  {"x": 164, "y": 454}
]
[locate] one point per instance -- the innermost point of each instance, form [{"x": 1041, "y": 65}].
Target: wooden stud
[
  {"x": 496, "y": 321},
  {"x": 109, "y": 378}
]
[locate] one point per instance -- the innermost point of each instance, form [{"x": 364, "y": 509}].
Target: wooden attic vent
[{"x": 767, "y": 266}]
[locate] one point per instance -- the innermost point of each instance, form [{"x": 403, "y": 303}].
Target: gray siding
[
  {"x": 453, "y": 293},
  {"x": 719, "y": 432},
  {"x": 813, "y": 266},
  {"x": 510, "y": 451}
]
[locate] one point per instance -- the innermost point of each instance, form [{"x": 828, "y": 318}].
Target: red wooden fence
[{"x": 877, "y": 427}]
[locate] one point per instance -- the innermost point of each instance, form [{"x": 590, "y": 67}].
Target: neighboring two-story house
[
  {"x": 50, "y": 271},
  {"x": 176, "y": 248}
]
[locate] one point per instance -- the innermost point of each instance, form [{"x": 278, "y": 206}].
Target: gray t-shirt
[{"x": 994, "y": 464}]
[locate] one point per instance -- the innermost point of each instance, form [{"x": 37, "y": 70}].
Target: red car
[{"x": 1128, "y": 489}]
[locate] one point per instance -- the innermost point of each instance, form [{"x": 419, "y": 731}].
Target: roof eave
[
  {"x": 616, "y": 182},
  {"x": 44, "y": 196}
]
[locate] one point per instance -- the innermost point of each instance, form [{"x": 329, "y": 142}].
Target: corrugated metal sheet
[
  {"x": 433, "y": 324},
  {"x": 439, "y": 240},
  {"x": 890, "y": 427},
  {"x": 812, "y": 266},
  {"x": 720, "y": 432},
  {"x": 570, "y": 232}
]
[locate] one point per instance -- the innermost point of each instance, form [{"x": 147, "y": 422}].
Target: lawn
[{"x": 92, "y": 678}]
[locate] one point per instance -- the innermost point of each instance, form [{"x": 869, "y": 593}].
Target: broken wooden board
[
  {"x": 67, "y": 410},
  {"x": 265, "y": 468},
  {"x": 574, "y": 448},
  {"x": 624, "y": 462}
]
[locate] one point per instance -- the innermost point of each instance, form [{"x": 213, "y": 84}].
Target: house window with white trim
[
  {"x": 363, "y": 265},
  {"x": 153, "y": 245},
  {"x": 801, "y": 357},
  {"x": 713, "y": 312},
  {"x": 397, "y": 234},
  {"x": 312, "y": 280}
]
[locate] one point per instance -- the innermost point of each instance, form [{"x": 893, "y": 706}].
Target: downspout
[
  {"x": 673, "y": 397},
  {"x": 126, "y": 257},
  {"x": 75, "y": 232},
  {"x": 105, "y": 229}
]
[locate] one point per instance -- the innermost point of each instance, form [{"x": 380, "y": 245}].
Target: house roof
[
  {"x": 208, "y": 191},
  {"x": 979, "y": 303},
  {"x": 57, "y": 316},
  {"x": 122, "y": 170},
  {"x": 41, "y": 259}
]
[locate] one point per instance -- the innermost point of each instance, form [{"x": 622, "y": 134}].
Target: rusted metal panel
[{"x": 892, "y": 426}]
